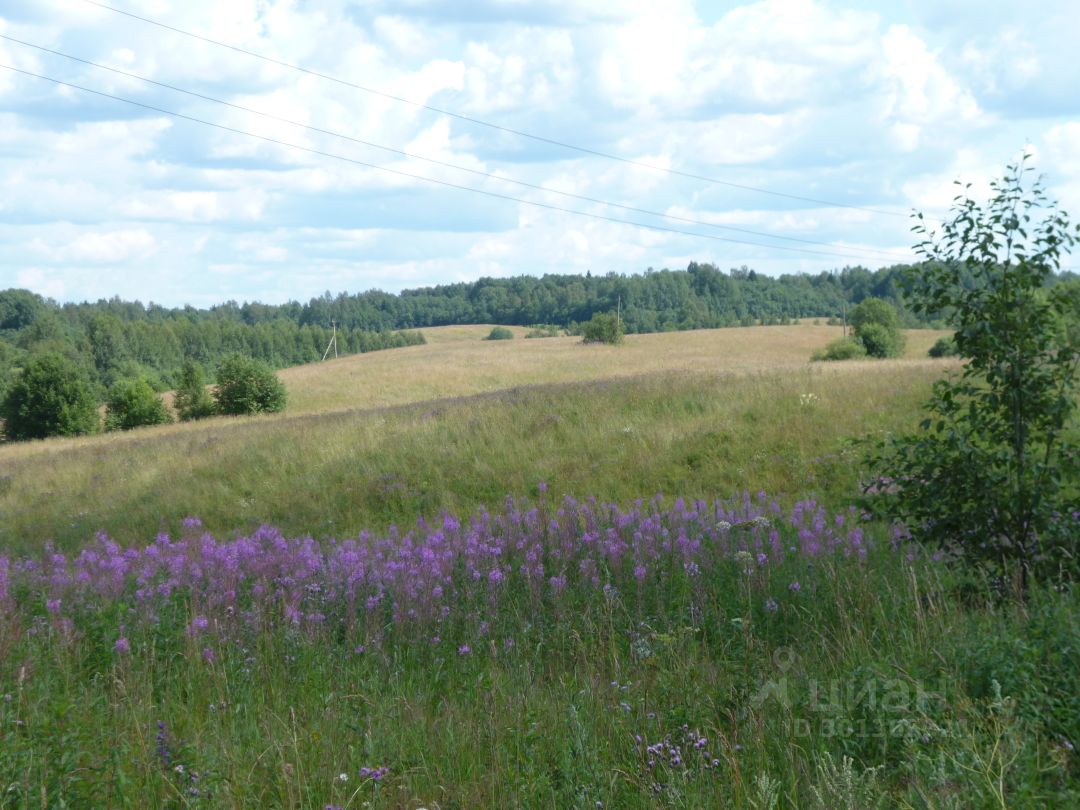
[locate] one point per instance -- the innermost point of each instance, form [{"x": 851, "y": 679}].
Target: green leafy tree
[
  {"x": 993, "y": 472},
  {"x": 877, "y": 327},
  {"x": 602, "y": 328},
  {"x": 500, "y": 333},
  {"x": 19, "y": 308},
  {"x": 132, "y": 404},
  {"x": 192, "y": 400},
  {"x": 50, "y": 397},
  {"x": 246, "y": 386}
]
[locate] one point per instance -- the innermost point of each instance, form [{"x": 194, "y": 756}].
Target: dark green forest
[{"x": 114, "y": 339}]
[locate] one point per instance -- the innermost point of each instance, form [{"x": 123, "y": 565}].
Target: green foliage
[
  {"x": 877, "y": 326},
  {"x": 50, "y": 397},
  {"x": 873, "y": 310},
  {"x": 19, "y": 308},
  {"x": 132, "y": 404},
  {"x": 944, "y": 347},
  {"x": 602, "y": 328},
  {"x": 993, "y": 472},
  {"x": 880, "y": 341},
  {"x": 192, "y": 400},
  {"x": 845, "y": 348},
  {"x": 543, "y": 331},
  {"x": 246, "y": 386},
  {"x": 500, "y": 333}
]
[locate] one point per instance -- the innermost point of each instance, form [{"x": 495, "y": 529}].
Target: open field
[
  {"x": 707, "y": 421},
  {"x": 544, "y": 652},
  {"x": 458, "y": 362}
]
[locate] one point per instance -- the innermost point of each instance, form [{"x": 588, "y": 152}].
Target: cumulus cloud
[{"x": 877, "y": 107}]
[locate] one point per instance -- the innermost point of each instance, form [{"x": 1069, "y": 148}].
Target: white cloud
[
  {"x": 919, "y": 90},
  {"x": 95, "y": 247},
  {"x": 881, "y": 109},
  {"x": 197, "y": 206}
]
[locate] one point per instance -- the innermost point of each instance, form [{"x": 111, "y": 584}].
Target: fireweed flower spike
[{"x": 427, "y": 581}]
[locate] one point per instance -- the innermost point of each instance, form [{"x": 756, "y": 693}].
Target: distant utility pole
[
  {"x": 618, "y": 314},
  {"x": 333, "y": 342}
]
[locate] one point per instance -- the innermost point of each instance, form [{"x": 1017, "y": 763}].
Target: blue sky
[{"x": 872, "y": 106}]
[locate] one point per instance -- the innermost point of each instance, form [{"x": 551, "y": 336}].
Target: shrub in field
[
  {"x": 132, "y": 404},
  {"x": 880, "y": 341},
  {"x": 994, "y": 472},
  {"x": 51, "y": 396},
  {"x": 246, "y": 386},
  {"x": 192, "y": 400},
  {"x": 944, "y": 347},
  {"x": 845, "y": 348},
  {"x": 500, "y": 333},
  {"x": 877, "y": 326},
  {"x": 543, "y": 331},
  {"x": 602, "y": 328}
]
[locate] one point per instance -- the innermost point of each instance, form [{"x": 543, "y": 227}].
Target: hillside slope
[{"x": 387, "y": 437}]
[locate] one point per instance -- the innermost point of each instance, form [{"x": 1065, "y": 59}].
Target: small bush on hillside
[
  {"x": 132, "y": 404},
  {"x": 877, "y": 325},
  {"x": 602, "y": 328},
  {"x": 193, "y": 401},
  {"x": 246, "y": 386},
  {"x": 51, "y": 396},
  {"x": 543, "y": 331},
  {"x": 500, "y": 333},
  {"x": 846, "y": 348},
  {"x": 881, "y": 341},
  {"x": 945, "y": 347}
]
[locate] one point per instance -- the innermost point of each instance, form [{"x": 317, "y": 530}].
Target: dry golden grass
[
  {"x": 390, "y": 435},
  {"x": 458, "y": 362}
]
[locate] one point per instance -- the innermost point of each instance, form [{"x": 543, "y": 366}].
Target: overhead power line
[
  {"x": 490, "y": 125},
  {"x": 869, "y": 252},
  {"x": 444, "y": 183}
]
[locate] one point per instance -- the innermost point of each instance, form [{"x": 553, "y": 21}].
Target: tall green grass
[
  {"x": 335, "y": 474},
  {"x": 885, "y": 683},
  {"x": 870, "y": 687}
]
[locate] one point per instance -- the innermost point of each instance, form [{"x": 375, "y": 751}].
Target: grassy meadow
[
  {"x": 391, "y": 436},
  {"x": 445, "y": 618}
]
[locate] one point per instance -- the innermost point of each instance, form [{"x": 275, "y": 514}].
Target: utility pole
[
  {"x": 618, "y": 315},
  {"x": 333, "y": 342}
]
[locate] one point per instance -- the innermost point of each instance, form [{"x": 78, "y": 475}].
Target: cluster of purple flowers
[
  {"x": 421, "y": 578},
  {"x": 682, "y": 751}
]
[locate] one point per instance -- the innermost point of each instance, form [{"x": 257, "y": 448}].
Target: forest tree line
[
  {"x": 114, "y": 339},
  {"x": 699, "y": 297},
  {"x": 118, "y": 340}
]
